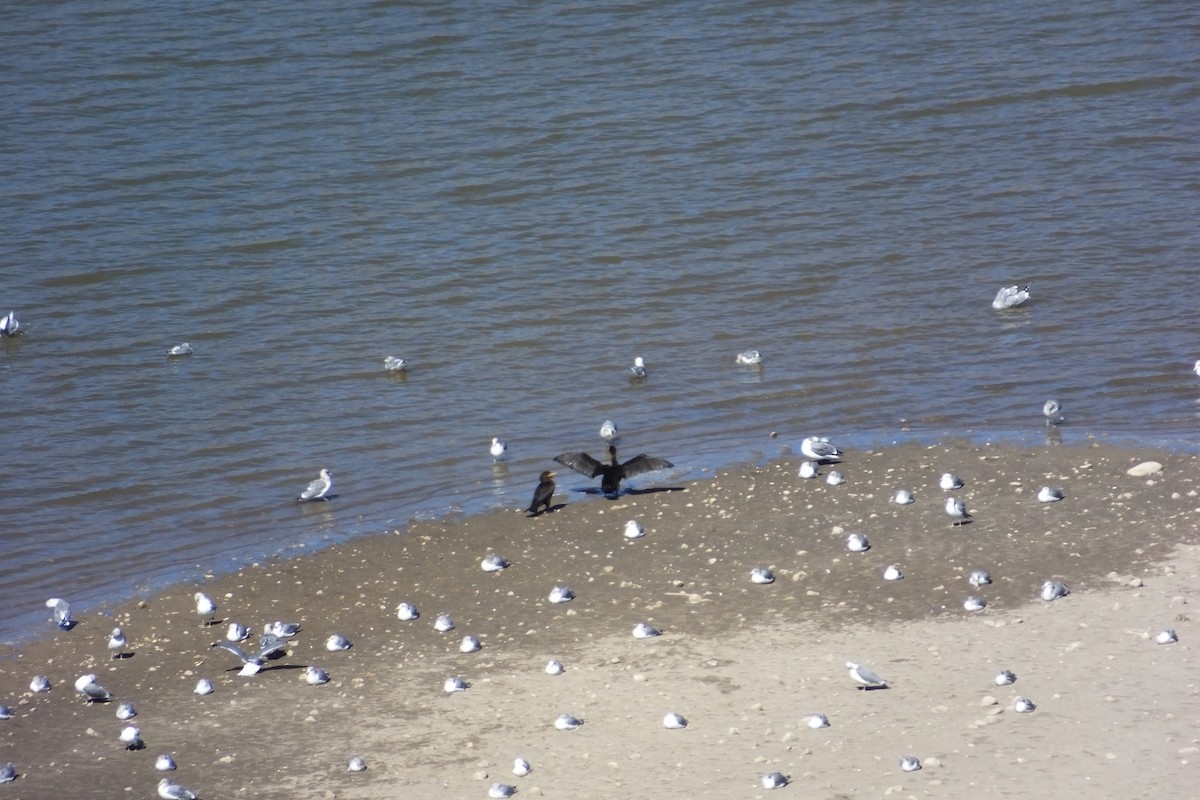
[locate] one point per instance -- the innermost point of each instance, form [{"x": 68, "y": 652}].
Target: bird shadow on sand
[
  {"x": 554, "y": 507},
  {"x": 271, "y": 668},
  {"x": 598, "y": 491}
]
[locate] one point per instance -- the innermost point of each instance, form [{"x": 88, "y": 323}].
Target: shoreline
[{"x": 689, "y": 576}]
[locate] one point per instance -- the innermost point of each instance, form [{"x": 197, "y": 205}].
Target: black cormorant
[
  {"x": 544, "y": 493},
  {"x": 612, "y": 474}
]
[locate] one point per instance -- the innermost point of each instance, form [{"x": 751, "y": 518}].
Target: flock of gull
[{"x": 278, "y": 636}]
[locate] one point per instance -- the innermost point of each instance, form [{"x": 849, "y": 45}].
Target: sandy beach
[{"x": 1117, "y": 715}]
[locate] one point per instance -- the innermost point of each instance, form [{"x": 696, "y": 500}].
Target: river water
[{"x": 518, "y": 199}]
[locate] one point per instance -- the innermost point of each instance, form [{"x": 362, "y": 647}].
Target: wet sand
[{"x": 1117, "y": 714}]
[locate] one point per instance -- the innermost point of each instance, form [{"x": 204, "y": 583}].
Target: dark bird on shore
[
  {"x": 544, "y": 492},
  {"x": 612, "y": 474}
]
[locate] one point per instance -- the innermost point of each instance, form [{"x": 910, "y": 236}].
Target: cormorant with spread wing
[{"x": 612, "y": 474}]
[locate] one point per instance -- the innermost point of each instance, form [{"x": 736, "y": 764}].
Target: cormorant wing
[
  {"x": 644, "y": 463},
  {"x": 582, "y": 463}
]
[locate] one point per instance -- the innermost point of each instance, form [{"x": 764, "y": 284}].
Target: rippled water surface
[{"x": 520, "y": 199}]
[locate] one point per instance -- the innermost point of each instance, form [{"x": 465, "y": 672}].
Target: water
[{"x": 518, "y": 201}]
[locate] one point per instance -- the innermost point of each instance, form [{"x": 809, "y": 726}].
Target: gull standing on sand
[
  {"x": 116, "y": 643},
  {"x": 808, "y": 469},
  {"x": 498, "y": 450},
  {"x": 1010, "y": 297},
  {"x": 1052, "y": 590},
  {"x": 819, "y": 449},
  {"x": 957, "y": 510},
  {"x": 638, "y": 370},
  {"x": 173, "y": 791},
  {"x": 61, "y": 613},
  {"x": 608, "y": 430},
  {"x": 206, "y": 609},
  {"x": 237, "y": 632},
  {"x": 1048, "y": 495},
  {"x": 903, "y": 497},
  {"x": 281, "y": 629},
  {"x": 521, "y": 767},
  {"x": 950, "y": 481},
  {"x": 131, "y": 736},
  {"x": 1052, "y": 410},
  {"x": 318, "y": 488},
  {"x": 749, "y": 358},
  {"x": 863, "y": 675},
  {"x": 9, "y": 325},
  {"x": 92, "y": 692}
]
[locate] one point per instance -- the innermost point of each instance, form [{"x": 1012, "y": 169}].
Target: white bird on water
[
  {"x": 749, "y": 358},
  {"x": 608, "y": 430},
  {"x": 117, "y": 642},
  {"x": 9, "y": 325},
  {"x": 819, "y": 449},
  {"x": 1048, "y": 495},
  {"x": 499, "y": 449},
  {"x": 393, "y": 364},
  {"x": 863, "y": 675},
  {"x": 318, "y": 488},
  {"x": 61, "y": 613},
  {"x": 638, "y": 370},
  {"x": 1010, "y": 297},
  {"x": 1052, "y": 411},
  {"x": 206, "y": 609},
  {"x": 1196, "y": 367},
  {"x": 173, "y": 791},
  {"x": 957, "y": 510},
  {"x": 184, "y": 349}
]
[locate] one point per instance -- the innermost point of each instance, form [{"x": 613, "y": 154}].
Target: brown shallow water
[{"x": 744, "y": 662}]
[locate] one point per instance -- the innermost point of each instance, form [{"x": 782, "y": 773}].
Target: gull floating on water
[
  {"x": 808, "y": 469},
  {"x": 1052, "y": 410},
  {"x": 498, "y": 790},
  {"x": 315, "y": 676},
  {"x": 407, "y": 612},
  {"x": 762, "y": 575},
  {"x": 126, "y": 710},
  {"x": 521, "y": 767},
  {"x": 117, "y": 642},
  {"x": 903, "y": 497},
  {"x": 173, "y": 791},
  {"x": 337, "y": 642},
  {"x": 608, "y": 430},
  {"x": 555, "y": 667},
  {"x": 950, "y": 481},
  {"x": 164, "y": 763},
  {"x": 1167, "y": 636},
  {"x": 203, "y": 686},
  {"x": 819, "y": 449},
  {"x": 775, "y": 780},
  {"x": 443, "y": 623},
  {"x": 1048, "y": 495},
  {"x": 892, "y": 573},
  {"x": 1023, "y": 705},
  {"x": 566, "y": 722},
  {"x": 184, "y": 349},
  {"x": 356, "y": 764},
  {"x": 61, "y": 613},
  {"x": 638, "y": 370},
  {"x": 92, "y": 692},
  {"x": 674, "y": 721},
  {"x": 957, "y": 510},
  {"x": 857, "y": 543},
  {"x": 40, "y": 683},
  {"x": 9, "y": 325},
  {"x": 1196, "y": 367},
  {"x": 910, "y": 763},
  {"x": 8, "y": 773},
  {"x": 131, "y": 736},
  {"x": 818, "y": 721},
  {"x": 499, "y": 449},
  {"x": 975, "y": 603},
  {"x": 393, "y": 364},
  {"x": 865, "y": 676},
  {"x": 561, "y": 594},
  {"x": 749, "y": 358},
  {"x": 835, "y": 478},
  {"x": 493, "y": 563},
  {"x": 979, "y": 577},
  {"x": 1052, "y": 590},
  {"x": 318, "y": 488},
  {"x": 205, "y": 608},
  {"x": 1005, "y": 677},
  {"x": 1010, "y": 297},
  {"x": 469, "y": 644},
  {"x": 644, "y": 631},
  {"x": 634, "y": 530},
  {"x": 237, "y": 632},
  {"x": 455, "y": 684}
]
